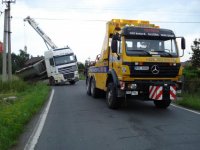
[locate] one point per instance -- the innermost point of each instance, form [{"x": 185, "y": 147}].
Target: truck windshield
[
  {"x": 146, "y": 47},
  {"x": 65, "y": 59}
]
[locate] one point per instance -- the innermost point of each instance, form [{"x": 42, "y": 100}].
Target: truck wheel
[
  {"x": 162, "y": 103},
  {"x": 111, "y": 97},
  {"x": 72, "y": 82},
  {"x": 94, "y": 90},
  {"x": 88, "y": 86},
  {"x": 51, "y": 81}
]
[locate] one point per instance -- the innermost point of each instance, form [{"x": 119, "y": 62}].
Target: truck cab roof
[{"x": 147, "y": 33}]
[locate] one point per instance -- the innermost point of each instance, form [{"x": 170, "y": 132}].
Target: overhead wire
[
  {"x": 121, "y": 9},
  {"x": 102, "y": 20}
]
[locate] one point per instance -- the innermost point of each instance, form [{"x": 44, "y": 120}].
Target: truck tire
[
  {"x": 111, "y": 97},
  {"x": 88, "y": 86},
  {"x": 51, "y": 81},
  {"x": 162, "y": 104},
  {"x": 94, "y": 90},
  {"x": 72, "y": 82}
]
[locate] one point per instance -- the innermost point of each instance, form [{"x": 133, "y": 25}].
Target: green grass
[
  {"x": 81, "y": 76},
  {"x": 190, "y": 101},
  {"x": 14, "y": 86},
  {"x": 15, "y": 115},
  {"x": 191, "y": 88}
]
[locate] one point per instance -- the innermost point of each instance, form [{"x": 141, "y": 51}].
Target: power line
[
  {"x": 184, "y": 22},
  {"x": 153, "y": 10},
  {"x": 101, "y": 20}
]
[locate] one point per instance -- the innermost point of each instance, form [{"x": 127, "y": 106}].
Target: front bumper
[
  {"x": 63, "y": 78},
  {"x": 141, "y": 89}
]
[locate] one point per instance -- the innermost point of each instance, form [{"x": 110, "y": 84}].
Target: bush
[
  {"x": 191, "y": 86},
  {"x": 190, "y": 72},
  {"x": 13, "y": 86},
  {"x": 191, "y": 83}
]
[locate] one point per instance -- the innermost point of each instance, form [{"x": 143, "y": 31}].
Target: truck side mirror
[
  {"x": 183, "y": 43},
  {"x": 75, "y": 57},
  {"x": 114, "y": 45}
]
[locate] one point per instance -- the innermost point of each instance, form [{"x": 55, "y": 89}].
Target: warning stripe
[
  {"x": 156, "y": 92},
  {"x": 160, "y": 93},
  {"x": 173, "y": 89},
  {"x": 172, "y": 92},
  {"x": 151, "y": 89}
]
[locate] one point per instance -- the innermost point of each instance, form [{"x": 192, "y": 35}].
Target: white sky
[{"x": 81, "y": 24}]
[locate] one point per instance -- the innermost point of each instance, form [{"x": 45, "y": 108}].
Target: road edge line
[
  {"x": 183, "y": 108},
  {"x": 33, "y": 139}
]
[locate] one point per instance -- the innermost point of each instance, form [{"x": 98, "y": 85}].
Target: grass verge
[
  {"x": 190, "y": 101},
  {"x": 14, "y": 115},
  {"x": 81, "y": 76}
]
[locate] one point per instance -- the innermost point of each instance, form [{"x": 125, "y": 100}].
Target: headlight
[
  {"x": 76, "y": 72},
  {"x": 132, "y": 86}
]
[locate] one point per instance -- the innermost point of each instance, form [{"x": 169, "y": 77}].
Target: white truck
[
  {"x": 61, "y": 63},
  {"x": 61, "y": 66}
]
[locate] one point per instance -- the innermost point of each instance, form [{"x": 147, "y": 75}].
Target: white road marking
[
  {"x": 193, "y": 111},
  {"x": 33, "y": 139}
]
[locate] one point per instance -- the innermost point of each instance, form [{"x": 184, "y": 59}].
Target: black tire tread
[{"x": 115, "y": 103}]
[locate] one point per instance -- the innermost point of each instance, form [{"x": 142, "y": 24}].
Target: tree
[
  {"x": 81, "y": 66},
  {"x": 195, "y": 59},
  {"x": 18, "y": 61}
]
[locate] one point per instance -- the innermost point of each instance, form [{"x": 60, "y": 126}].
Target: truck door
[
  {"x": 115, "y": 59},
  {"x": 51, "y": 69}
]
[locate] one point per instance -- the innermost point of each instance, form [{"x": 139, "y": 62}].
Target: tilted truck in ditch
[
  {"x": 61, "y": 66},
  {"x": 138, "y": 60},
  {"x": 60, "y": 63}
]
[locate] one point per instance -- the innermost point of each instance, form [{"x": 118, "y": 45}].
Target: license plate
[
  {"x": 128, "y": 92},
  {"x": 134, "y": 93}
]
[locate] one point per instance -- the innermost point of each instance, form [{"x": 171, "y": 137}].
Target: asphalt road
[{"x": 77, "y": 121}]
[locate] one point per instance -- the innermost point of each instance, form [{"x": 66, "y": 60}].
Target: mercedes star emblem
[{"x": 155, "y": 69}]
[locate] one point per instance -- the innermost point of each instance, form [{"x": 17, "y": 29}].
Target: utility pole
[
  {"x": 4, "y": 66},
  {"x": 7, "y": 41}
]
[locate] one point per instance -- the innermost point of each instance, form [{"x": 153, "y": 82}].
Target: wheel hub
[{"x": 109, "y": 96}]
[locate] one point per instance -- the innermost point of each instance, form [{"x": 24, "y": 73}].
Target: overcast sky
[{"x": 81, "y": 24}]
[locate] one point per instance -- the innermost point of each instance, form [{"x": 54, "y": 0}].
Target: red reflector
[{"x": 122, "y": 85}]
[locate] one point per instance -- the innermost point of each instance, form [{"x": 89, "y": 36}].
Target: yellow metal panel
[
  {"x": 128, "y": 78},
  {"x": 151, "y": 59},
  {"x": 101, "y": 80},
  {"x": 123, "y": 22}
]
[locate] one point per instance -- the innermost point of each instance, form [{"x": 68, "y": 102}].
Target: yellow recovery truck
[{"x": 138, "y": 60}]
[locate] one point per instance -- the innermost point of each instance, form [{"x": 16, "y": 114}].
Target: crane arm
[{"x": 35, "y": 26}]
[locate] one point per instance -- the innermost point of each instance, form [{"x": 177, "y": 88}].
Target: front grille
[
  {"x": 69, "y": 76},
  {"x": 165, "y": 70},
  {"x": 67, "y": 70}
]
